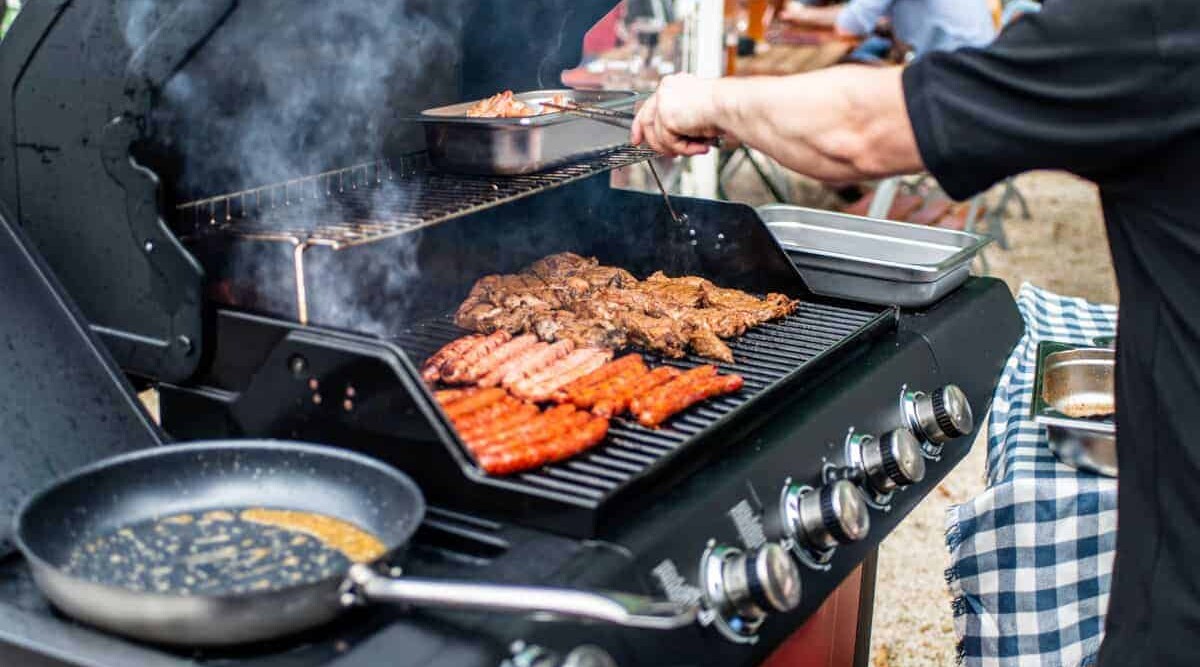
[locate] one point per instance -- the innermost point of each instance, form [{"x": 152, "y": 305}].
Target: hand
[{"x": 679, "y": 117}]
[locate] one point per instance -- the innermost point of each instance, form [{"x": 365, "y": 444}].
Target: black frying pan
[{"x": 93, "y": 542}]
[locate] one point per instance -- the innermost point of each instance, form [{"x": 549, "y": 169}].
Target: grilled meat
[
  {"x": 505, "y": 105},
  {"x": 507, "y": 460},
  {"x": 696, "y": 385},
  {"x": 534, "y": 363},
  {"x": 431, "y": 371},
  {"x": 544, "y": 384},
  {"x": 476, "y": 401},
  {"x": 461, "y": 368},
  {"x": 618, "y": 401},
  {"x": 566, "y": 297}
]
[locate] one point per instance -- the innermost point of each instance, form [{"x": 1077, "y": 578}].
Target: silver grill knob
[
  {"x": 751, "y": 585},
  {"x": 939, "y": 416},
  {"x": 893, "y": 461},
  {"x": 821, "y": 520}
]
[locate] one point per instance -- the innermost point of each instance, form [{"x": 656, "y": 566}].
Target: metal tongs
[{"x": 625, "y": 119}]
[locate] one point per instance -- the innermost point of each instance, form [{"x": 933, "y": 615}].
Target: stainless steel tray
[
  {"x": 1067, "y": 374},
  {"x": 876, "y": 261},
  {"x": 513, "y": 146}
]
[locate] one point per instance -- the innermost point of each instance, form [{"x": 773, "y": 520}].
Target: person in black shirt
[{"x": 1109, "y": 91}]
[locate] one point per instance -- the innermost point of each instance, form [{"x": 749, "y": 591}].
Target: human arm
[{"x": 842, "y": 124}]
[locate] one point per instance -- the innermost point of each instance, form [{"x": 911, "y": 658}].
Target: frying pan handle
[{"x": 631, "y": 611}]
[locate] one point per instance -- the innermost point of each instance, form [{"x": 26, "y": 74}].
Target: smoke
[{"x": 285, "y": 89}]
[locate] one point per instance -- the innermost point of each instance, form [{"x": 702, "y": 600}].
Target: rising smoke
[{"x": 287, "y": 88}]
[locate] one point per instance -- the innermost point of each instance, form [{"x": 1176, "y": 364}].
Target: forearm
[{"x": 842, "y": 124}]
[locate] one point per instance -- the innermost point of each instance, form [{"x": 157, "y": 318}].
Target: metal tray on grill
[
  {"x": 874, "y": 261},
  {"x": 1081, "y": 375},
  {"x": 511, "y": 146}
]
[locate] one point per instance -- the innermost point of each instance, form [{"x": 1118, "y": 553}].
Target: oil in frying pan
[{"x": 223, "y": 552}]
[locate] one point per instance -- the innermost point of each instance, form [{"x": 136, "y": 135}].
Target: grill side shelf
[{"x": 771, "y": 357}]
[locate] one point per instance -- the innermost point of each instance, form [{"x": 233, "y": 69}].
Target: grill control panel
[{"x": 817, "y": 487}]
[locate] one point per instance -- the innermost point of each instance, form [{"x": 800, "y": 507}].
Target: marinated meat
[
  {"x": 506, "y": 105},
  {"x": 566, "y": 297}
]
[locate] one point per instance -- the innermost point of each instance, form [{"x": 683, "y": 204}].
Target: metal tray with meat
[{"x": 461, "y": 140}]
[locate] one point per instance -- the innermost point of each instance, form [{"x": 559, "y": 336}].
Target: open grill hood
[{"x": 117, "y": 110}]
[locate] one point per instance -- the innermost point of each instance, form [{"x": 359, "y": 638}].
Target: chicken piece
[
  {"x": 553, "y": 268},
  {"x": 706, "y": 343}
]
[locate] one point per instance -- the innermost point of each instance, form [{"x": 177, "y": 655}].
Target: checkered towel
[{"x": 1031, "y": 557}]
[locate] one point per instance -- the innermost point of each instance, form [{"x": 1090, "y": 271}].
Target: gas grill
[{"x": 301, "y": 309}]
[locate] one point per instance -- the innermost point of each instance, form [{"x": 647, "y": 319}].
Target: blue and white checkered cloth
[{"x": 1031, "y": 557}]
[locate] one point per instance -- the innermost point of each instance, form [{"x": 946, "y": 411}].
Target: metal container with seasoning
[{"x": 1073, "y": 397}]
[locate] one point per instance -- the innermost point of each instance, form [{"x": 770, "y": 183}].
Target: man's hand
[
  {"x": 842, "y": 124},
  {"x": 680, "y": 117}
]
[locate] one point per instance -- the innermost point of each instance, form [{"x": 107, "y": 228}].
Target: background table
[{"x": 1031, "y": 557}]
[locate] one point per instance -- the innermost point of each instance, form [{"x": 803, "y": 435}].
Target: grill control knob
[
  {"x": 893, "y": 461},
  {"x": 939, "y": 416},
  {"x": 589, "y": 656},
  {"x": 821, "y": 520},
  {"x": 748, "y": 586}
]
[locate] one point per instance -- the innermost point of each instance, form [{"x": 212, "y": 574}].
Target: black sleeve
[{"x": 1084, "y": 86}]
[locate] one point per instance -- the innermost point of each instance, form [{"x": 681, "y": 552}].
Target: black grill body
[{"x": 965, "y": 339}]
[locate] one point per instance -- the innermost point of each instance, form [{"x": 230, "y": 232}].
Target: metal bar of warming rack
[{"x": 376, "y": 200}]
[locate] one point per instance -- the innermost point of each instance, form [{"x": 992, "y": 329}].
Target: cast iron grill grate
[
  {"x": 376, "y": 200},
  {"x": 768, "y": 357}
]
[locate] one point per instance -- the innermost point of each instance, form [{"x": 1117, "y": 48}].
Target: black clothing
[{"x": 1110, "y": 91}]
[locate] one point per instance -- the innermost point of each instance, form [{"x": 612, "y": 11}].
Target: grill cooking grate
[
  {"x": 376, "y": 200},
  {"x": 768, "y": 356}
]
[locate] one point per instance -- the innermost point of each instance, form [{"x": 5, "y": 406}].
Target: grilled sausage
[
  {"x": 476, "y": 401},
  {"x": 602, "y": 374},
  {"x": 614, "y": 405},
  {"x": 431, "y": 371},
  {"x": 510, "y": 419},
  {"x": 488, "y": 414},
  {"x": 542, "y": 385},
  {"x": 670, "y": 400},
  {"x": 448, "y": 396},
  {"x": 527, "y": 430},
  {"x": 533, "y": 363},
  {"x": 506, "y": 461},
  {"x": 457, "y": 368},
  {"x": 494, "y": 377},
  {"x": 510, "y": 350},
  {"x": 587, "y": 397}
]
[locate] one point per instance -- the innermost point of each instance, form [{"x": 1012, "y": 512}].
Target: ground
[{"x": 1063, "y": 248}]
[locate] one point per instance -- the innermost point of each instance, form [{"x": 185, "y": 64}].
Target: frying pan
[{"x": 141, "y": 488}]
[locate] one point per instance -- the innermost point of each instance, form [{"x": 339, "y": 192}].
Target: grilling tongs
[{"x": 625, "y": 119}]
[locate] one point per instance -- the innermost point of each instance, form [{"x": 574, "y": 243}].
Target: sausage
[
  {"x": 504, "y": 461},
  {"x": 509, "y": 419},
  {"x": 533, "y": 363},
  {"x": 495, "y": 376},
  {"x": 457, "y": 369},
  {"x": 510, "y": 350},
  {"x": 476, "y": 401},
  {"x": 448, "y": 396},
  {"x": 542, "y": 385},
  {"x": 431, "y": 370},
  {"x": 614, "y": 405},
  {"x": 614, "y": 386},
  {"x": 488, "y": 414},
  {"x": 602, "y": 374},
  {"x": 671, "y": 399},
  {"x": 528, "y": 430}
]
